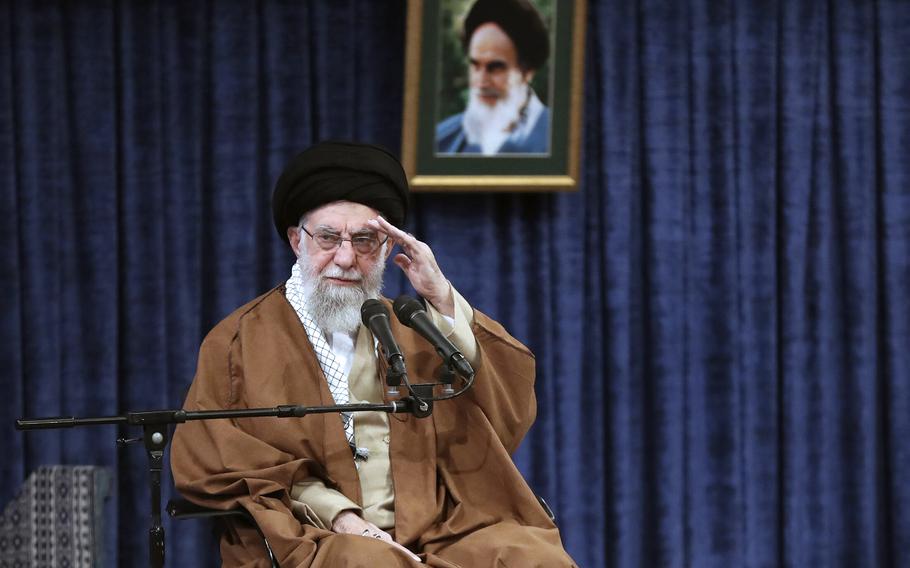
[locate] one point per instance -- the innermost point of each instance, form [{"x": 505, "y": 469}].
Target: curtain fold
[{"x": 720, "y": 314}]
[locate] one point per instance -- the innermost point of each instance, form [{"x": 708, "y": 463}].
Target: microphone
[
  {"x": 376, "y": 317},
  {"x": 410, "y": 312}
]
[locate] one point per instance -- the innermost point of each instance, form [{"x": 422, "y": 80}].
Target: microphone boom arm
[{"x": 155, "y": 425}]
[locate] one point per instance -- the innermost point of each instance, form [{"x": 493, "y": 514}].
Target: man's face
[
  {"x": 342, "y": 267},
  {"x": 493, "y": 62}
]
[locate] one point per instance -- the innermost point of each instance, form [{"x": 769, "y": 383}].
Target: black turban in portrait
[
  {"x": 340, "y": 171},
  {"x": 520, "y": 20}
]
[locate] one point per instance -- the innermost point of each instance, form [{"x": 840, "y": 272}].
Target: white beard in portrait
[{"x": 490, "y": 126}]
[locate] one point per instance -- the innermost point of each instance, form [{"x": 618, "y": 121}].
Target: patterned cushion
[{"x": 55, "y": 519}]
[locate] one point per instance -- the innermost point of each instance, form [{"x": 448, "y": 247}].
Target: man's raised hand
[{"x": 419, "y": 265}]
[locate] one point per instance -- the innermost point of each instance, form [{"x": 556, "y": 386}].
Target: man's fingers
[
  {"x": 402, "y": 261},
  {"x": 386, "y": 537},
  {"x": 391, "y": 230},
  {"x": 385, "y": 225},
  {"x": 411, "y": 554},
  {"x": 399, "y": 236},
  {"x": 415, "y": 249},
  {"x": 354, "y": 524}
]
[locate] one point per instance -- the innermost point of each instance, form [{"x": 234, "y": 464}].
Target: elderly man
[
  {"x": 505, "y": 42},
  {"x": 365, "y": 489}
]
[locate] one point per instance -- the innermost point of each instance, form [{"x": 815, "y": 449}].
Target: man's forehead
[
  {"x": 342, "y": 214},
  {"x": 491, "y": 42}
]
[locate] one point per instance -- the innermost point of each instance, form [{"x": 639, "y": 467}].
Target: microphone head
[
  {"x": 372, "y": 308},
  {"x": 405, "y": 307}
]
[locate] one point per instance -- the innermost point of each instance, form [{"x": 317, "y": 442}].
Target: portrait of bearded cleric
[{"x": 494, "y": 100}]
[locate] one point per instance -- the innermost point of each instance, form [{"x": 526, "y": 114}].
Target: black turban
[
  {"x": 520, "y": 20},
  {"x": 340, "y": 171}
]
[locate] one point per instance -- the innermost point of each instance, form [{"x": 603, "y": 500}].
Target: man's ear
[
  {"x": 528, "y": 75},
  {"x": 294, "y": 239}
]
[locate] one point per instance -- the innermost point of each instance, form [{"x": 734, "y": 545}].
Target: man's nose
[
  {"x": 484, "y": 77},
  {"x": 344, "y": 255}
]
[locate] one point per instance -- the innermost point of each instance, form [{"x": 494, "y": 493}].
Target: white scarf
[{"x": 335, "y": 376}]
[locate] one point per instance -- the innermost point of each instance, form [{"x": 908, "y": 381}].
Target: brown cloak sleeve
[{"x": 252, "y": 462}]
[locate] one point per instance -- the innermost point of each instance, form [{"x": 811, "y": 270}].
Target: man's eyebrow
[{"x": 490, "y": 66}]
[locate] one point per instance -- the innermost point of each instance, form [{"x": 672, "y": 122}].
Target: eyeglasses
[{"x": 367, "y": 243}]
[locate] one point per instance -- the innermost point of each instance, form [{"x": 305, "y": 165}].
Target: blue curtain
[{"x": 721, "y": 313}]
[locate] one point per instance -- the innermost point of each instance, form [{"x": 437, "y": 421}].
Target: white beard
[
  {"x": 337, "y": 308},
  {"x": 490, "y": 126}
]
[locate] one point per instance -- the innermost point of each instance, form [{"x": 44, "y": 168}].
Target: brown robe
[{"x": 459, "y": 499}]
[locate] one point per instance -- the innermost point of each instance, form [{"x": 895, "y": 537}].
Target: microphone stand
[{"x": 155, "y": 425}]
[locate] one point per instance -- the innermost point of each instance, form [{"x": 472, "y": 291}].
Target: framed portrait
[{"x": 493, "y": 95}]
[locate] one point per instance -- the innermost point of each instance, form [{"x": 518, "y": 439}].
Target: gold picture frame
[{"x": 429, "y": 26}]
